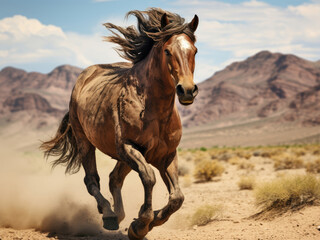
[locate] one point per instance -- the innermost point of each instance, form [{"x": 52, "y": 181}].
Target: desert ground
[{"x": 39, "y": 203}]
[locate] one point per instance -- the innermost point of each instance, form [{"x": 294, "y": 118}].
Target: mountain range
[
  {"x": 282, "y": 87},
  {"x": 264, "y": 85},
  {"x": 34, "y": 94}
]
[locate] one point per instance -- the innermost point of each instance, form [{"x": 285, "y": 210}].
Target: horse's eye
[{"x": 167, "y": 52}]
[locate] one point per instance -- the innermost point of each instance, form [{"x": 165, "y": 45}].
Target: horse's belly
[{"x": 97, "y": 122}]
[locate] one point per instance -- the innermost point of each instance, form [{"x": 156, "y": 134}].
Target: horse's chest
[{"x": 162, "y": 142}]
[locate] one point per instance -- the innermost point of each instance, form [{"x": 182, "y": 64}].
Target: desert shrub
[
  {"x": 316, "y": 151},
  {"x": 246, "y": 182},
  {"x": 213, "y": 153},
  {"x": 257, "y": 153},
  {"x": 271, "y": 152},
  {"x": 287, "y": 161},
  {"x": 225, "y": 156},
  {"x": 200, "y": 156},
  {"x": 313, "y": 167},
  {"x": 288, "y": 192},
  {"x": 206, "y": 169},
  {"x": 205, "y": 214},
  {"x": 183, "y": 170},
  {"x": 265, "y": 154},
  {"x": 235, "y": 160},
  {"x": 299, "y": 152},
  {"x": 245, "y": 164},
  {"x": 203, "y": 149},
  {"x": 243, "y": 154}
]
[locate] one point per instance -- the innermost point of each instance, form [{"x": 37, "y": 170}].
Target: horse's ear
[
  {"x": 164, "y": 20},
  {"x": 194, "y": 23}
]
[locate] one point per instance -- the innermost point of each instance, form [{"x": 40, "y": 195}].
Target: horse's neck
[{"x": 159, "y": 88}]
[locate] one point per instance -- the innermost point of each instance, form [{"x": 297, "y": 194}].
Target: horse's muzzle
[{"x": 186, "y": 96}]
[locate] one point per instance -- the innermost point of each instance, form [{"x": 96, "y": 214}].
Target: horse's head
[{"x": 179, "y": 57}]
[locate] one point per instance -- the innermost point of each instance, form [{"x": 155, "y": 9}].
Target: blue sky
[{"x": 38, "y": 35}]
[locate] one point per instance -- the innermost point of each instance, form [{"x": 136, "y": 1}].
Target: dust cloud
[{"x": 34, "y": 196}]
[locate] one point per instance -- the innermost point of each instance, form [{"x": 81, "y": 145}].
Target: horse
[{"x": 128, "y": 111}]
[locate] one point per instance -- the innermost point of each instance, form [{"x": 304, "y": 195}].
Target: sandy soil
[{"x": 59, "y": 207}]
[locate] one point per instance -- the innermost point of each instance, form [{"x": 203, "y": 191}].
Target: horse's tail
[{"x": 63, "y": 145}]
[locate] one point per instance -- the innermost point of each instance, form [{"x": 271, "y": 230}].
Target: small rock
[
  {"x": 195, "y": 227},
  {"x": 318, "y": 228}
]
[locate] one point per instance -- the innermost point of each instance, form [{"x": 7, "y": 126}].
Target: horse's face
[{"x": 179, "y": 55}]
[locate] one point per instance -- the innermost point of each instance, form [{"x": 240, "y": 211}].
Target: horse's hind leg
[
  {"x": 170, "y": 178},
  {"x": 92, "y": 182},
  {"x": 116, "y": 179}
]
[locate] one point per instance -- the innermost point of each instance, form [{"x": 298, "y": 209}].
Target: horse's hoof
[
  {"x": 132, "y": 235},
  {"x": 110, "y": 223}
]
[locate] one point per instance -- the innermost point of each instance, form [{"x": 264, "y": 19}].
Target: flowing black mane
[{"x": 135, "y": 44}]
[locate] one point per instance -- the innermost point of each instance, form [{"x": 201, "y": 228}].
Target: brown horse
[{"x": 128, "y": 111}]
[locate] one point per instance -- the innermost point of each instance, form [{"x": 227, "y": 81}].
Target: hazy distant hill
[{"x": 264, "y": 85}]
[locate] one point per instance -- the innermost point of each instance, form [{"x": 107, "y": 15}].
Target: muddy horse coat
[{"x": 128, "y": 111}]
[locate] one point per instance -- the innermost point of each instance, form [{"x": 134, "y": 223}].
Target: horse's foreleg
[
  {"x": 116, "y": 179},
  {"x": 92, "y": 183},
  {"x": 170, "y": 178},
  {"x": 140, "y": 227}
]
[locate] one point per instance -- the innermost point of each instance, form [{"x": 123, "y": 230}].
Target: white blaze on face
[{"x": 184, "y": 44}]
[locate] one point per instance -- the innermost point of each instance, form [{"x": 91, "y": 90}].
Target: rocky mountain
[
  {"x": 20, "y": 90},
  {"x": 264, "y": 85},
  {"x": 36, "y": 93}
]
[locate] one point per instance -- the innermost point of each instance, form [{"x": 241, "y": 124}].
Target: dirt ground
[{"x": 55, "y": 206}]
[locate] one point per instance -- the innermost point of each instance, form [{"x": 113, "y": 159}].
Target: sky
[{"x": 39, "y": 35}]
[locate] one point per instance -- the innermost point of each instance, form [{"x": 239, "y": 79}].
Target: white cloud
[{"x": 26, "y": 41}]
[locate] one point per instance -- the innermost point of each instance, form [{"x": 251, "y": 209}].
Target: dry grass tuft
[
  {"x": 245, "y": 164},
  {"x": 243, "y": 154},
  {"x": 206, "y": 169},
  {"x": 288, "y": 192},
  {"x": 242, "y": 163},
  {"x": 314, "y": 166},
  {"x": 287, "y": 161},
  {"x": 235, "y": 160},
  {"x": 206, "y": 214},
  {"x": 247, "y": 183}
]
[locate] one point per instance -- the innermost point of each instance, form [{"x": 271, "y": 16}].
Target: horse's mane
[{"x": 135, "y": 44}]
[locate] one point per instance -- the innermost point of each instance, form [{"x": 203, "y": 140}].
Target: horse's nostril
[
  {"x": 180, "y": 90},
  {"x": 195, "y": 91}
]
